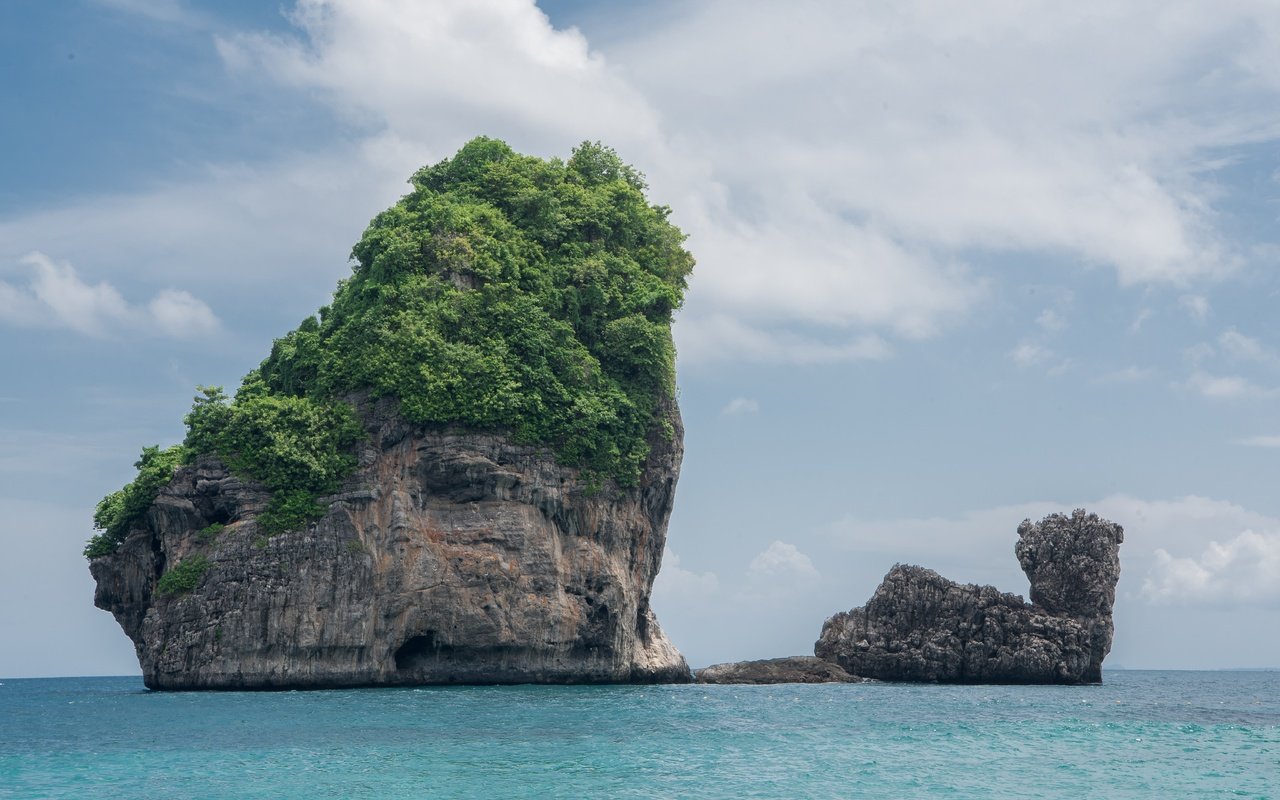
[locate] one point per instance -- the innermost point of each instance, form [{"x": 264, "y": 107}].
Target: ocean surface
[{"x": 1139, "y": 735}]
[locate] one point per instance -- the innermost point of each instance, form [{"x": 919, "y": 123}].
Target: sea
[{"x": 1138, "y": 735}]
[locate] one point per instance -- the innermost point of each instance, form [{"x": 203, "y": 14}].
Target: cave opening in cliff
[{"x": 416, "y": 650}]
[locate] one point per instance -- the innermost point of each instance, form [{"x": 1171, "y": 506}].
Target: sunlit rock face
[
  {"x": 920, "y": 626},
  {"x": 448, "y": 557}
]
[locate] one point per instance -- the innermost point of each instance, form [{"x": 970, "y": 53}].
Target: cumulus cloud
[
  {"x": 834, "y": 192},
  {"x": 968, "y": 129},
  {"x": 1130, "y": 374},
  {"x": 181, "y": 315},
  {"x": 441, "y": 72},
  {"x": 386, "y": 63},
  {"x": 1260, "y": 441},
  {"x": 879, "y": 144},
  {"x": 1028, "y": 354},
  {"x": 1051, "y": 320},
  {"x": 1196, "y": 306},
  {"x": 1140, "y": 320},
  {"x": 55, "y": 296},
  {"x": 782, "y": 563},
  {"x": 1199, "y": 353},
  {"x": 675, "y": 583},
  {"x": 1237, "y": 346},
  {"x": 740, "y": 405},
  {"x": 1244, "y": 570},
  {"x": 1225, "y": 387},
  {"x": 722, "y": 337}
]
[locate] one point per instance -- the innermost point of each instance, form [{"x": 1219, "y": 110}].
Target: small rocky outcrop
[
  {"x": 920, "y": 626},
  {"x": 449, "y": 557},
  {"x": 792, "y": 669}
]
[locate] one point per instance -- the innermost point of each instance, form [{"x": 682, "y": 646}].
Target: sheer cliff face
[
  {"x": 920, "y": 626},
  {"x": 448, "y": 557}
]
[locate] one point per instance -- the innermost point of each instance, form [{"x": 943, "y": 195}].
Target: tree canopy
[{"x": 504, "y": 293}]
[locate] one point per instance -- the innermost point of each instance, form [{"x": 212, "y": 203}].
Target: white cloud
[
  {"x": 179, "y": 314},
  {"x": 1237, "y": 346},
  {"x": 740, "y": 405},
  {"x": 56, "y": 297},
  {"x": 1140, "y": 320},
  {"x": 1130, "y": 374},
  {"x": 782, "y": 562},
  {"x": 721, "y": 337},
  {"x": 809, "y": 265},
  {"x": 1245, "y": 570},
  {"x": 1225, "y": 387},
  {"x": 444, "y": 71},
  {"x": 677, "y": 584},
  {"x": 1200, "y": 352},
  {"x": 833, "y": 192},
  {"x": 1196, "y": 306},
  {"x": 976, "y": 129},
  {"x": 282, "y": 230},
  {"x": 880, "y": 143},
  {"x": 1029, "y": 355},
  {"x": 1051, "y": 320},
  {"x": 1260, "y": 441}
]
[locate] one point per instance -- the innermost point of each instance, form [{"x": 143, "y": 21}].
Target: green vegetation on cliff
[
  {"x": 504, "y": 293},
  {"x": 184, "y": 577},
  {"x": 508, "y": 293},
  {"x": 119, "y": 510}
]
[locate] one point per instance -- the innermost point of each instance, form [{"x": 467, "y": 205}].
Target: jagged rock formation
[
  {"x": 792, "y": 669},
  {"x": 919, "y": 626},
  {"x": 449, "y": 557}
]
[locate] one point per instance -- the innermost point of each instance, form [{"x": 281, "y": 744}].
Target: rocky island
[
  {"x": 920, "y": 626},
  {"x": 789, "y": 669},
  {"x": 460, "y": 471}
]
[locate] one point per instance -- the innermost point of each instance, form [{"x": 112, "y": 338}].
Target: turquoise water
[{"x": 1140, "y": 735}]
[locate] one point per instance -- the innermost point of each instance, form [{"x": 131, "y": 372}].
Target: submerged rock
[
  {"x": 792, "y": 669},
  {"x": 920, "y": 626},
  {"x": 447, "y": 558}
]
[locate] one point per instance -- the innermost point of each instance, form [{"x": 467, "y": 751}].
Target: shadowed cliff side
[{"x": 919, "y": 626}]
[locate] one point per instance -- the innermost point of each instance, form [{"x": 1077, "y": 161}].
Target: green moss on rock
[{"x": 184, "y": 577}]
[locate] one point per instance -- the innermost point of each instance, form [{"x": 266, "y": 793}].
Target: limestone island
[
  {"x": 459, "y": 471},
  {"x": 919, "y": 626}
]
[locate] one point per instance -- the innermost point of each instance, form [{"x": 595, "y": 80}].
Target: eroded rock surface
[
  {"x": 792, "y": 669},
  {"x": 920, "y": 626},
  {"x": 447, "y": 558}
]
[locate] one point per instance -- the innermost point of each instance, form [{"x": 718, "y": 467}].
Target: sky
[{"x": 957, "y": 266}]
